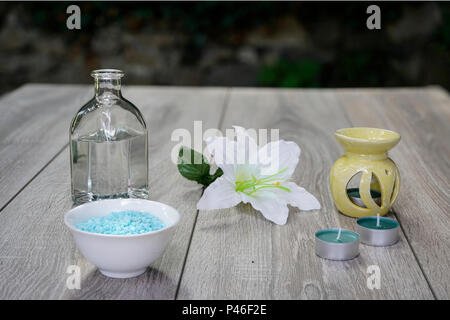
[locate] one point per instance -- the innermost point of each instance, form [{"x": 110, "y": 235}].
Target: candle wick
[
  {"x": 378, "y": 219},
  {"x": 339, "y": 234}
]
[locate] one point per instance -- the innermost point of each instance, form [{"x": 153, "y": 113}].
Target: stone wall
[{"x": 227, "y": 44}]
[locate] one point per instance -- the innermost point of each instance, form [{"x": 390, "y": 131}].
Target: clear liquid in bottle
[{"x": 109, "y": 157}]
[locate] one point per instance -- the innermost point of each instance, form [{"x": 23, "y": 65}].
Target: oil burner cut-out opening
[{"x": 353, "y": 190}]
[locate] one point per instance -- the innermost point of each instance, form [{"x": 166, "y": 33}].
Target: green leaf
[
  {"x": 193, "y": 166},
  {"x": 213, "y": 177},
  {"x": 217, "y": 174}
]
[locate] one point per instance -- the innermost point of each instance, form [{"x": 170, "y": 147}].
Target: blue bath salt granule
[{"x": 122, "y": 223}]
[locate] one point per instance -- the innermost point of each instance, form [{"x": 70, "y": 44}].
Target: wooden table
[{"x": 233, "y": 253}]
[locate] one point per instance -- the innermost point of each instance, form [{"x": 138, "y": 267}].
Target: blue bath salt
[{"x": 122, "y": 223}]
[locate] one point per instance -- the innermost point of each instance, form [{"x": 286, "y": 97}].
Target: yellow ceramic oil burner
[{"x": 366, "y": 153}]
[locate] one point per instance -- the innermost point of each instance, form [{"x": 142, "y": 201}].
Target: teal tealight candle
[
  {"x": 378, "y": 231},
  {"x": 331, "y": 235},
  {"x": 371, "y": 222},
  {"x": 337, "y": 244}
]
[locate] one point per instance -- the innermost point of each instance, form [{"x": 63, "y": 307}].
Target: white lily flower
[{"x": 259, "y": 176}]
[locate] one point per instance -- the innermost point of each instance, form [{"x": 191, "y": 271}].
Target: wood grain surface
[
  {"x": 422, "y": 117},
  {"x": 233, "y": 253},
  {"x": 236, "y": 253},
  {"x": 33, "y": 129},
  {"x": 36, "y": 248}
]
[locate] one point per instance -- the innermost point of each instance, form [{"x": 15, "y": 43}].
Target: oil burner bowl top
[
  {"x": 122, "y": 256},
  {"x": 366, "y": 153}
]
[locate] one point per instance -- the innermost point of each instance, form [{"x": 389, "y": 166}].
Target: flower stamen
[{"x": 251, "y": 186}]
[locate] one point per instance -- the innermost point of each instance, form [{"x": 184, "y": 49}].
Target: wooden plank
[
  {"x": 36, "y": 248},
  {"x": 34, "y": 127},
  {"x": 422, "y": 117},
  {"x": 237, "y": 254}
]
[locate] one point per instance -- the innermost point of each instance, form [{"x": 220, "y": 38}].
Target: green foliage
[
  {"x": 444, "y": 31},
  {"x": 283, "y": 73}
]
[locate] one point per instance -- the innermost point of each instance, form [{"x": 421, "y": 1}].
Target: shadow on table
[{"x": 153, "y": 284}]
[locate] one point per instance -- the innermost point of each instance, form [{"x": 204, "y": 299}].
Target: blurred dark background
[{"x": 289, "y": 44}]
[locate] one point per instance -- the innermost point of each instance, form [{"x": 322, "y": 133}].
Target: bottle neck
[{"x": 107, "y": 89}]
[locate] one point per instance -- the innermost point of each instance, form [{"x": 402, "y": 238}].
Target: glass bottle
[{"x": 108, "y": 145}]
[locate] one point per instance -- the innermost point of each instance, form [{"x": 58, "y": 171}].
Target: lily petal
[
  {"x": 220, "y": 194},
  {"x": 218, "y": 148},
  {"x": 279, "y": 155},
  {"x": 298, "y": 197},
  {"x": 233, "y": 156},
  {"x": 272, "y": 207},
  {"x": 247, "y": 148}
]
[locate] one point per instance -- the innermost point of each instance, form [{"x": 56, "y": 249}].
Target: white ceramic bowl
[{"x": 122, "y": 256}]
